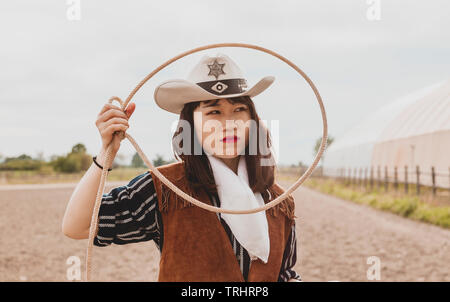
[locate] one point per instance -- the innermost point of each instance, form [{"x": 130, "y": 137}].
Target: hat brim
[{"x": 171, "y": 95}]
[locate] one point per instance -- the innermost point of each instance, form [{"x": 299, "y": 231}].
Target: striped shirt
[{"x": 130, "y": 214}]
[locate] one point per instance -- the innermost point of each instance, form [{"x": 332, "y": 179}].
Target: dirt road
[{"x": 335, "y": 238}]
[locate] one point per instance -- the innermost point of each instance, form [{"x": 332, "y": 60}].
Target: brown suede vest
[{"x": 196, "y": 246}]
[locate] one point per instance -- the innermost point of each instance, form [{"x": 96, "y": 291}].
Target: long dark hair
[{"x": 197, "y": 168}]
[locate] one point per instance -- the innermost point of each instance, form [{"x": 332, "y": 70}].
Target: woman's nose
[{"x": 229, "y": 124}]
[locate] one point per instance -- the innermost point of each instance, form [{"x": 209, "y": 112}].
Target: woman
[{"x": 230, "y": 167}]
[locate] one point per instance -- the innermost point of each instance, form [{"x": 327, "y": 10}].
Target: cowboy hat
[{"x": 215, "y": 77}]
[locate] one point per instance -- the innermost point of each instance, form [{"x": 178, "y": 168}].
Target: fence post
[
  {"x": 360, "y": 180},
  {"x": 385, "y": 178},
  {"x": 406, "y": 179},
  {"x": 349, "y": 177},
  {"x": 417, "y": 180},
  {"x": 371, "y": 178},
  {"x": 433, "y": 180},
  {"x": 358, "y": 177},
  {"x": 365, "y": 178},
  {"x": 395, "y": 179},
  {"x": 378, "y": 177}
]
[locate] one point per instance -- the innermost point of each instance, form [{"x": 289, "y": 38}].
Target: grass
[
  {"x": 411, "y": 206},
  {"x": 45, "y": 177}
]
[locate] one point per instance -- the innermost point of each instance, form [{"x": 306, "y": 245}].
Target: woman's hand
[{"x": 111, "y": 119}]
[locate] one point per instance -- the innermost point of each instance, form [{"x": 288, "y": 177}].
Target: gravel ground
[{"x": 335, "y": 239}]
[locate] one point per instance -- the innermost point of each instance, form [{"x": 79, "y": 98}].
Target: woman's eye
[{"x": 217, "y": 111}]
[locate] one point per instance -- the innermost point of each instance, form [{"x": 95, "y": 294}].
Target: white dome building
[{"x": 411, "y": 131}]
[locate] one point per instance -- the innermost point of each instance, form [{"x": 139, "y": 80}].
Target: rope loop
[
  {"x": 109, "y": 158},
  {"x": 116, "y": 98}
]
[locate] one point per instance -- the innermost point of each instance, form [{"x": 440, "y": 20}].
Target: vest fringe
[
  {"x": 179, "y": 203},
  {"x": 287, "y": 206},
  {"x": 165, "y": 199}
]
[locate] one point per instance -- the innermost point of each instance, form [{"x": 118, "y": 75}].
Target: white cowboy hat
[{"x": 212, "y": 78}]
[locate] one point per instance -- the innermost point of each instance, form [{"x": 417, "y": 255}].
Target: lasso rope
[{"x": 108, "y": 161}]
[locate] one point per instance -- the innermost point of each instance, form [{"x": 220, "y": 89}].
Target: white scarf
[{"x": 250, "y": 230}]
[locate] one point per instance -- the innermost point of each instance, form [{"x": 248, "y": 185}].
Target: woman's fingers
[
  {"x": 112, "y": 119},
  {"x": 117, "y": 127},
  {"x": 108, "y": 131},
  {"x": 110, "y": 113},
  {"x": 106, "y": 107},
  {"x": 130, "y": 109},
  {"x": 115, "y": 120}
]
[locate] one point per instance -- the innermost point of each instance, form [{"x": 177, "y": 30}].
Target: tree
[
  {"x": 22, "y": 162},
  {"x": 159, "y": 161},
  {"x": 136, "y": 161},
  {"x": 79, "y": 148},
  {"x": 301, "y": 164},
  {"x": 330, "y": 140},
  {"x": 22, "y": 157},
  {"x": 67, "y": 164},
  {"x": 77, "y": 160}
]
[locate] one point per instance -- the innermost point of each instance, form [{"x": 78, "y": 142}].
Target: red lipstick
[{"x": 230, "y": 139}]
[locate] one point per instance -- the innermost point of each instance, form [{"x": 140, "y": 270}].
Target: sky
[{"x": 57, "y": 72}]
